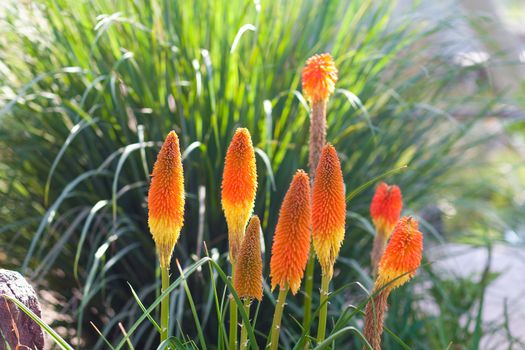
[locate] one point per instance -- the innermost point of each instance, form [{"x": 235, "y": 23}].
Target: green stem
[
  {"x": 165, "y": 304},
  {"x": 308, "y": 290},
  {"x": 277, "y": 316},
  {"x": 321, "y": 330},
  {"x": 244, "y": 330},
  {"x": 233, "y": 319}
]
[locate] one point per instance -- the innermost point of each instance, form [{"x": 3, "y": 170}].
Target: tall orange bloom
[
  {"x": 318, "y": 81},
  {"x": 247, "y": 279},
  {"x": 386, "y": 207},
  {"x": 239, "y": 186},
  {"x": 166, "y": 199},
  {"x": 398, "y": 265},
  {"x": 291, "y": 241},
  {"x": 402, "y": 256},
  {"x": 328, "y": 209},
  {"x": 319, "y": 77}
]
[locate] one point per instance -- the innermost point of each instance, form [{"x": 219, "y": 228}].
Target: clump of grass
[{"x": 93, "y": 88}]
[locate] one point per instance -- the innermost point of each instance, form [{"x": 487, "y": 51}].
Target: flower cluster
[{"x": 313, "y": 210}]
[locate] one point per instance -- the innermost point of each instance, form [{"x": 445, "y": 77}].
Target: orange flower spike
[
  {"x": 328, "y": 209},
  {"x": 166, "y": 199},
  {"x": 239, "y": 186},
  {"x": 402, "y": 255},
  {"x": 386, "y": 207},
  {"x": 247, "y": 279},
  {"x": 319, "y": 77},
  {"x": 291, "y": 241}
]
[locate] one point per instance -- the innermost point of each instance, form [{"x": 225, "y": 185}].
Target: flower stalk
[
  {"x": 165, "y": 304},
  {"x": 323, "y": 313},
  {"x": 374, "y": 324},
  {"x": 233, "y": 323},
  {"x": 378, "y": 247},
  {"x": 277, "y": 317},
  {"x": 244, "y": 331},
  {"x": 317, "y": 135},
  {"x": 309, "y": 288}
]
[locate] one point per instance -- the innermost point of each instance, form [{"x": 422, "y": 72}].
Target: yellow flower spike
[
  {"x": 328, "y": 223},
  {"x": 328, "y": 209},
  {"x": 247, "y": 279},
  {"x": 166, "y": 199},
  {"x": 239, "y": 186},
  {"x": 291, "y": 241}
]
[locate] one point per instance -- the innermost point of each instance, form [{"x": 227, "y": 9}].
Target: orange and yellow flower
[
  {"x": 386, "y": 207},
  {"x": 166, "y": 199},
  {"x": 239, "y": 186},
  {"x": 291, "y": 241},
  {"x": 247, "y": 279},
  {"x": 402, "y": 255},
  {"x": 328, "y": 209},
  {"x": 319, "y": 77}
]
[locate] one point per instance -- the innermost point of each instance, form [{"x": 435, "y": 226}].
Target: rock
[{"x": 16, "y": 328}]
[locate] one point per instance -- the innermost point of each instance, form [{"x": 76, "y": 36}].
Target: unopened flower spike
[{"x": 247, "y": 279}]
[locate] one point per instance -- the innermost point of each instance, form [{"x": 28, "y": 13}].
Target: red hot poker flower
[
  {"x": 328, "y": 209},
  {"x": 319, "y": 77},
  {"x": 239, "y": 186},
  {"x": 386, "y": 207},
  {"x": 291, "y": 241},
  {"x": 166, "y": 199},
  {"x": 402, "y": 255}
]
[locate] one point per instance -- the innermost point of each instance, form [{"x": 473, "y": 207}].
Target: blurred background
[{"x": 89, "y": 89}]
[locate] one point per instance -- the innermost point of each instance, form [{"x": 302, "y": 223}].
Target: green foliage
[{"x": 93, "y": 87}]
